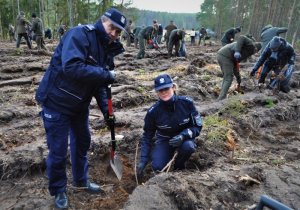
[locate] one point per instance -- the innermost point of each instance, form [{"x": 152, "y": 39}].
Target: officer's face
[
  {"x": 112, "y": 31},
  {"x": 165, "y": 94}
]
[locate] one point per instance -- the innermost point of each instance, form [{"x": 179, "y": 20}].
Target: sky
[{"x": 173, "y": 6}]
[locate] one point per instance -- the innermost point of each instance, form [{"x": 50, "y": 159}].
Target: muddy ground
[{"x": 249, "y": 144}]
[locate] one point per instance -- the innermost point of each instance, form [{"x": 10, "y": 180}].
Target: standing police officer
[
  {"x": 79, "y": 70},
  {"x": 175, "y": 122}
]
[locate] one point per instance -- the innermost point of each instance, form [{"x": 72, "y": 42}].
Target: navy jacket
[
  {"x": 166, "y": 120},
  {"x": 269, "y": 33},
  {"x": 285, "y": 55},
  {"x": 78, "y": 70}
]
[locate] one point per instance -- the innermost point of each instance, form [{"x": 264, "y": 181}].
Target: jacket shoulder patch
[
  {"x": 89, "y": 27},
  {"x": 152, "y": 107},
  {"x": 185, "y": 98}
]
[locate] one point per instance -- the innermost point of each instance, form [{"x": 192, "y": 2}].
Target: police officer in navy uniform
[
  {"x": 276, "y": 55},
  {"x": 79, "y": 69},
  {"x": 175, "y": 122}
]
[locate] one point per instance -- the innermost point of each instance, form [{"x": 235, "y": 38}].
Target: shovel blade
[{"x": 117, "y": 166}]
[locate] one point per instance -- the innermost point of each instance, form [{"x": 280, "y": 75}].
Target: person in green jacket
[
  {"x": 169, "y": 28},
  {"x": 21, "y": 29},
  {"x": 38, "y": 29},
  {"x": 146, "y": 34},
  {"x": 229, "y": 58},
  {"x": 176, "y": 39}
]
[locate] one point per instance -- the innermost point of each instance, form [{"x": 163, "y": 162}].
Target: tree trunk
[
  {"x": 88, "y": 11},
  {"x": 254, "y": 11},
  {"x": 296, "y": 32},
  {"x": 48, "y": 15},
  {"x": 236, "y": 16},
  {"x": 269, "y": 17},
  {"x": 274, "y": 15},
  {"x": 291, "y": 16},
  {"x": 18, "y": 6},
  {"x": 70, "y": 8},
  {"x": 1, "y": 29},
  {"x": 219, "y": 15}
]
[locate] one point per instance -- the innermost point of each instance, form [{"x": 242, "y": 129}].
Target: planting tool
[{"x": 115, "y": 161}]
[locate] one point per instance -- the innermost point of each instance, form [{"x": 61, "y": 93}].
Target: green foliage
[
  {"x": 234, "y": 107},
  {"x": 269, "y": 103},
  {"x": 216, "y": 128},
  {"x": 278, "y": 162}
]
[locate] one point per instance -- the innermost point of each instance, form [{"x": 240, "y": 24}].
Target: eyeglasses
[{"x": 114, "y": 28}]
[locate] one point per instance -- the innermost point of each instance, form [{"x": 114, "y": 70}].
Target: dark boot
[
  {"x": 89, "y": 186},
  {"x": 61, "y": 201}
]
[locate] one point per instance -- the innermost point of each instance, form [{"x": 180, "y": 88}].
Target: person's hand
[
  {"x": 140, "y": 170},
  {"x": 109, "y": 120},
  {"x": 237, "y": 56},
  {"x": 281, "y": 77},
  {"x": 252, "y": 73},
  {"x": 176, "y": 141}
]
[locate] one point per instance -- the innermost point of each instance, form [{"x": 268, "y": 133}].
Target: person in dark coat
[
  {"x": 229, "y": 58},
  {"x": 38, "y": 29},
  {"x": 176, "y": 39},
  {"x": 21, "y": 25},
  {"x": 202, "y": 35},
  {"x": 229, "y": 35},
  {"x": 193, "y": 36},
  {"x": 169, "y": 28},
  {"x": 160, "y": 33},
  {"x": 81, "y": 68},
  {"x": 275, "y": 57},
  {"x": 11, "y": 32},
  {"x": 268, "y": 32},
  {"x": 175, "y": 122},
  {"x": 48, "y": 33},
  {"x": 136, "y": 32},
  {"x": 61, "y": 31},
  {"x": 146, "y": 35},
  {"x": 129, "y": 33}
]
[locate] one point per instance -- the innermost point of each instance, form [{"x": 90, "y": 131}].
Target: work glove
[
  {"x": 281, "y": 77},
  {"x": 109, "y": 120},
  {"x": 252, "y": 73},
  {"x": 237, "y": 56},
  {"x": 140, "y": 170},
  {"x": 176, "y": 141}
]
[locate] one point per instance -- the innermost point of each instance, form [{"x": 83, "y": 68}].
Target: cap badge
[
  {"x": 161, "y": 80},
  {"x": 108, "y": 14},
  {"x": 123, "y": 19}
]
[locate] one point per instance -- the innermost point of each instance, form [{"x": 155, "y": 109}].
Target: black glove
[
  {"x": 140, "y": 170},
  {"x": 176, "y": 141},
  {"x": 110, "y": 120},
  {"x": 252, "y": 73}
]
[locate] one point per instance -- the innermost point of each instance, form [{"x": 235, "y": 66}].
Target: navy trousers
[
  {"x": 162, "y": 153},
  {"x": 58, "y": 129}
]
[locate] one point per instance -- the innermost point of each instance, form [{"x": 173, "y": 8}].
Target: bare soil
[{"x": 255, "y": 152}]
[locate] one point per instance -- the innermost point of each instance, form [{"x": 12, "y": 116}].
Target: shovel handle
[
  {"x": 271, "y": 203},
  {"x": 238, "y": 66},
  {"x": 112, "y": 126}
]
